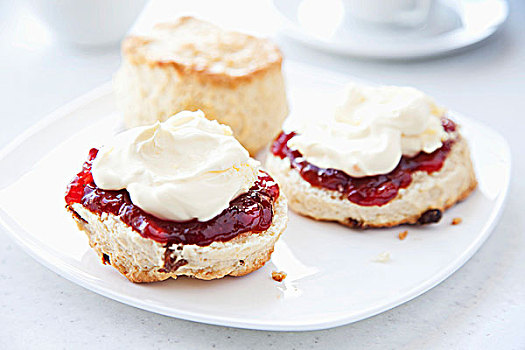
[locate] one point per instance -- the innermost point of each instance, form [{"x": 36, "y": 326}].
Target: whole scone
[{"x": 191, "y": 64}]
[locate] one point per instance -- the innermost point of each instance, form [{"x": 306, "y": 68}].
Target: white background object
[
  {"x": 89, "y": 22},
  {"x": 450, "y": 26},
  {"x": 405, "y": 13},
  {"x": 481, "y": 306}
]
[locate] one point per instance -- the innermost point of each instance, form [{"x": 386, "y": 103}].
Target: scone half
[
  {"x": 422, "y": 202},
  {"x": 177, "y": 198},
  {"x": 145, "y": 260}
]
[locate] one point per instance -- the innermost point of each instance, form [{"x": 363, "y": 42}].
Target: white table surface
[{"x": 481, "y": 306}]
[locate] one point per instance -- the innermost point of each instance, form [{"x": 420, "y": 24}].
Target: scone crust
[
  {"x": 218, "y": 56},
  {"x": 142, "y": 260},
  {"x": 436, "y": 191}
]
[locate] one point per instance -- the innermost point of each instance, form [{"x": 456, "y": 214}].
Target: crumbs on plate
[
  {"x": 384, "y": 257},
  {"x": 456, "y": 221},
  {"x": 402, "y": 235},
  {"x": 278, "y": 276}
]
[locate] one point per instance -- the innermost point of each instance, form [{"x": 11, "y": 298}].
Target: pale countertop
[{"x": 481, "y": 306}]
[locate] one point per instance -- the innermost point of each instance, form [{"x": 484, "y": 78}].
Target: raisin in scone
[
  {"x": 388, "y": 156},
  {"x": 191, "y": 64},
  {"x": 176, "y": 198}
]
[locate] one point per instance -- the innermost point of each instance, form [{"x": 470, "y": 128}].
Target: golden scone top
[{"x": 195, "y": 46}]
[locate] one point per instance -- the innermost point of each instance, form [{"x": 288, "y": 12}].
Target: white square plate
[{"x": 332, "y": 276}]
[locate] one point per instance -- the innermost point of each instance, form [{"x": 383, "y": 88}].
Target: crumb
[
  {"x": 278, "y": 276},
  {"x": 402, "y": 235},
  {"x": 456, "y": 221},
  {"x": 384, "y": 257}
]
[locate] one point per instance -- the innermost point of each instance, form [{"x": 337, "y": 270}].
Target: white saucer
[{"x": 452, "y": 25}]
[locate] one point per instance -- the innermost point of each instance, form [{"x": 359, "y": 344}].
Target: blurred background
[
  {"x": 48, "y": 58},
  {"x": 466, "y": 53}
]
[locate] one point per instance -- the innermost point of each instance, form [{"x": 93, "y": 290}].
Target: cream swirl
[
  {"x": 184, "y": 168},
  {"x": 372, "y": 130}
]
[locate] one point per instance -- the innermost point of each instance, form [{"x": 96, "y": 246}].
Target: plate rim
[{"x": 44, "y": 257}]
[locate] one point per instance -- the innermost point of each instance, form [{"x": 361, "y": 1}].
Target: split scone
[
  {"x": 181, "y": 197},
  {"x": 388, "y": 156},
  {"x": 191, "y": 64}
]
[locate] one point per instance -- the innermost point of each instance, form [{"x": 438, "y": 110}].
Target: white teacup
[
  {"x": 89, "y": 22},
  {"x": 405, "y": 13}
]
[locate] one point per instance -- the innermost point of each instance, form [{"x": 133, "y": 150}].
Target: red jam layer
[
  {"x": 370, "y": 190},
  {"x": 251, "y": 211}
]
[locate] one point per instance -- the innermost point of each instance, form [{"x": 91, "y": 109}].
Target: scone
[
  {"x": 177, "y": 198},
  {"x": 191, "y": 64},
  {"x": 389, "y": 156}
]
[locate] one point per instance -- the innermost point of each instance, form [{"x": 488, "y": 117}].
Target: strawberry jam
[
  {"x": 249, "y": 212},
  {"x": 370, "y": 190}
]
